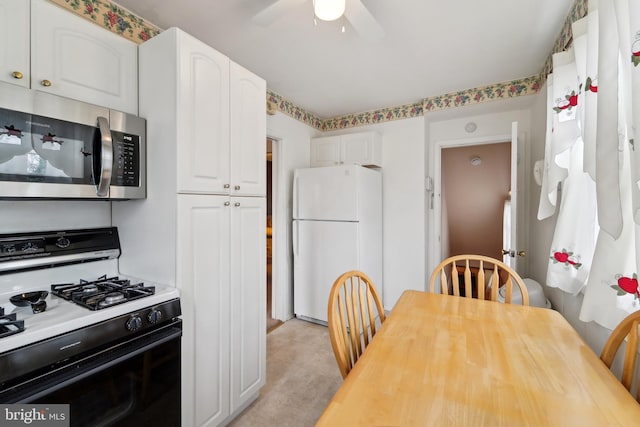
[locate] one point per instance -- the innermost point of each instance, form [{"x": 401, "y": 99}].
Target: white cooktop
[{"x": 61, "y": 315}]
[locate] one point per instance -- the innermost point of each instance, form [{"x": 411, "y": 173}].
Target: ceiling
[{"x": 429, "y": 48}]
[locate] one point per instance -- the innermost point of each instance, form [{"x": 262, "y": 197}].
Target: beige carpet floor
[{"x": 302, "y": 377}]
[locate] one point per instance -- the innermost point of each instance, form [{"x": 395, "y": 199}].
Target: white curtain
[
  {"x": 601, "y": 189},
  {"x": 552, "y": 173},
  {"x": 574, "y": 236},
  {"x": 612, "y": 287}
]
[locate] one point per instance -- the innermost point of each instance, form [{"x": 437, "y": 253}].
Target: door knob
[
  {"x": 237, "y": 187},
  {"x": 17, "y": 75},
  {"x": 522, "y": 253},
  {"x": 46, "y": 83},
  {"x": 509, "y": 252}
]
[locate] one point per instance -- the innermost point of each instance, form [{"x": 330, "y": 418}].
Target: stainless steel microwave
[{"x": 56, "y": 148}]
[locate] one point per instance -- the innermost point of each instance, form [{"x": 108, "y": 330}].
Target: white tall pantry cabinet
[{"x": 202, "y": 226}]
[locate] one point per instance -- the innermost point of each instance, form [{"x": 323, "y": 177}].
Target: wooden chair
[
  {"x": 626, "y": 329},
  {"x": 477, "y": 276},
  {"x": 354, "y": 314}
]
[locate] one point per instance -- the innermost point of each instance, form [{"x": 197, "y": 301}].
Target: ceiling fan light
[{"x": 329, "y": 10}]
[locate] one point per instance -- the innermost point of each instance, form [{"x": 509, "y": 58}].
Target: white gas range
[
  {"x": 61, "y": 315},
  {"x": 78, "y": 321}
]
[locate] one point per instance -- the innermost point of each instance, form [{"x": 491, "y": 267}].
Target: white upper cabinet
[
  {"x": 361, "y": 148},
  {"x": 14, "y": 42},
  {"x": 248, "y": 130},
  {"x": 50, "y": 49},
  {"x": 215, "y": 110},
  {"x": 73, "y": 57},
  {"x": 202, "y": 117},
  {"x": 325, "y": 151}
]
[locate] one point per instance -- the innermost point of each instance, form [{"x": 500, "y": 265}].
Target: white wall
[
  {"x": 403, "y": 211},
  {"x": 291, "y": 151},
  {"x": 36, "y": 215},
  {"x": 403, "y": 201}
]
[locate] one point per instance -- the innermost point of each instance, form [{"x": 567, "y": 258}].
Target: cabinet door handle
[
  {"x": 226, "y": 186},
  {"x": 236, "y": 204},
  {"x": 237, "y": 187},
  {"x": 17, "y": 75},
  {"x": 45, "y": 83},
  {"x": 227, "y": 203}
]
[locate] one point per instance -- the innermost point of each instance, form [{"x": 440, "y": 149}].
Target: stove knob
[
  {"x": 133, "y": 323},
  {"x": 154, "y": 316}
]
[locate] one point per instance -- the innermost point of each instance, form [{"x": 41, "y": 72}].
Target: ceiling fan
[{"x": 354, "y": 11}]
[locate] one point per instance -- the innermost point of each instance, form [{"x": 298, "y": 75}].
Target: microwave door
[
  {"x": 44, "y": 157},
  {"x": 103, "y": 158}
]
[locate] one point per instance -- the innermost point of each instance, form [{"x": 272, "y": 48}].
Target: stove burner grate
[
  {"x": 102, "y": 293},
  {"x": 9, "y": 325}
]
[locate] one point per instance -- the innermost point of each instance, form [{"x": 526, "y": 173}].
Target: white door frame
[{"x": 435, "y": 242}]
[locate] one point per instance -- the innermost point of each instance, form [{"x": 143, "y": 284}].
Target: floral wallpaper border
[
  {"x": 510, "y": 89},
  {"x": 119, "y": 20},
  {"x": 372, "y": 117},
  {"x": 290, "y": 109},
  {"x": 113, "y": 17}
]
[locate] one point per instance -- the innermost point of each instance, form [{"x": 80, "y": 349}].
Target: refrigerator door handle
[
  {"x": 296, "y": 207},
  {"x": 296, "y": 242}
]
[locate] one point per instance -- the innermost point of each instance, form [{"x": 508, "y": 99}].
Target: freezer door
[
  {"x": 322, "y": 251},
  {"x": 328, "y": 193}
]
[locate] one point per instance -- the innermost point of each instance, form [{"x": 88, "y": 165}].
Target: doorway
[
  {"x": 476, "y": 183},
  {"x": 438, "y": 244},
  {"x": 272, "y": 323}
]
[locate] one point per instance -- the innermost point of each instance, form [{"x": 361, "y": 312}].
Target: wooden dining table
[{"x": 442, "y": 360}]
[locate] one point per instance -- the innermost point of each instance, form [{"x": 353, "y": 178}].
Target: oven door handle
[
  {"x": 93, "y": 364},
  {"x": 106, "y": 158}
]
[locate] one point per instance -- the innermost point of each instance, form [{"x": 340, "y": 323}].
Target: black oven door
[{"x": 132, "y": 383}]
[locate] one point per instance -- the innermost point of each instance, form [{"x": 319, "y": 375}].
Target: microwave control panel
[{"x": 126, "y": 159}]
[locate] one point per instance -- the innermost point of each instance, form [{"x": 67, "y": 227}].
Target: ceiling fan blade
[
  {"x": 274, "y": 11},
  {"x": 363, "y": 21}
]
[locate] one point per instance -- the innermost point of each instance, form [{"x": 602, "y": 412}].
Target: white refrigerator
[{"x": 337, "y": 227}]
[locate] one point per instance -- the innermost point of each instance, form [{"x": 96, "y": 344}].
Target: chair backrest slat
[
  {"x": 467, "y": 279},
  {"x": 455, "y": 282},
  {"x": 480, "y": 280}
]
